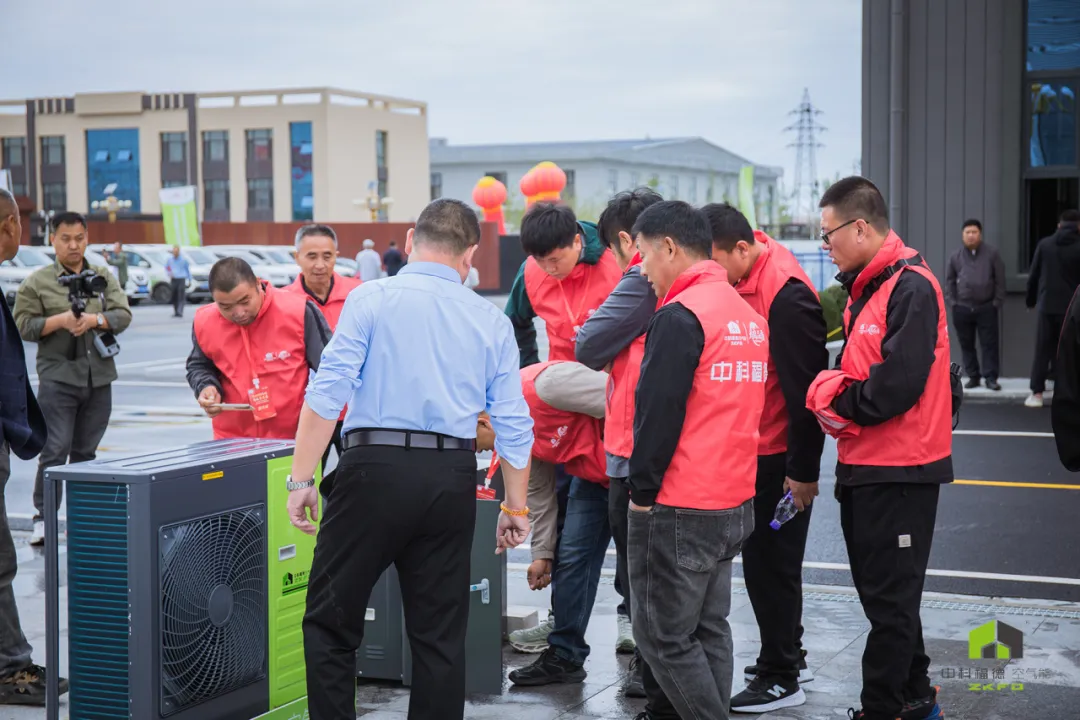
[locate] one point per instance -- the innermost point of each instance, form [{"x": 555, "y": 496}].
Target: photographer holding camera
[{"x": 72, "y": 311}]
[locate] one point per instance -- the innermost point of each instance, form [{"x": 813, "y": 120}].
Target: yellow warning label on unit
[{"x": 213, "y": 475}]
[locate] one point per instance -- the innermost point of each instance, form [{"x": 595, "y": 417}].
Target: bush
[{"x": 833, "y": 301}]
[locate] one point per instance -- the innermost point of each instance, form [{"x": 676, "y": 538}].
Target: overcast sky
[{"x": 490, "y": 70}]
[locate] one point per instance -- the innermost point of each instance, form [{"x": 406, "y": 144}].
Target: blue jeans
[{"x": 582, "y": 547}]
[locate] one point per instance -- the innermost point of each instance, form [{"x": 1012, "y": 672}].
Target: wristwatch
[
  {"x": 100, "y": 319},
  {"x": 290, "y": 485}
]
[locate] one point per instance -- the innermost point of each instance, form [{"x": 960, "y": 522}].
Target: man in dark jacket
[
  {"x": 1065, "y": 410},
  {"x": 1052, "y": 280},
  {"x": 393, "y": 260},
  {"x": 975, "y": 289},
  {"x": 24, "y": 432}
]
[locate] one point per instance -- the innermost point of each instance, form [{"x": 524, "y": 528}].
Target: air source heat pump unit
[{"x": 186, "y": 585}]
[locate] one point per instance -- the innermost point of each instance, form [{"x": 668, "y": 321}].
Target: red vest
[
  {"x": 924, "y": 433},
  {"x": 622, "y": 384},
  {"x": 276, "y": 339},
  {"x": 340, "y": 290},
  {"x": 774, "y": 267},
  {"x": 715, "y": 463},
  {"x": 564, "y": 438},
  {"x": 565, "y": 305}
]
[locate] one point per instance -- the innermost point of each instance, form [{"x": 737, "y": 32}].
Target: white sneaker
[
  {"x": 37, "y": 538},
  {"x": 625, "y": 643},
  {"x": 534, "y": 639},
  {"x": 1034, "y": 400}
]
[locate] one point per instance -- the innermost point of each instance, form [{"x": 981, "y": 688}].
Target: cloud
[{"x": 490, "y": 70}]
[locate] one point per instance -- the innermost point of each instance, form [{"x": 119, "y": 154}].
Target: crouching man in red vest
[
  {"x": 253, "y": 346},
  {"x": 694, "y": 461},
  {"x": 769, "y": 278},
  {"x": 889, "y": 472},
  {"x": 316, "y": 254}
]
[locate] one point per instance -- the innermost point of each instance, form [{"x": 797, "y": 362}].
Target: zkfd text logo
[{"x": 995, "y": 641}]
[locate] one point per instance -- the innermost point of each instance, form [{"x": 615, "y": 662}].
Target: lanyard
[
  {"x": 250, "y": 357},
  {"x": 584, "y": 299}
]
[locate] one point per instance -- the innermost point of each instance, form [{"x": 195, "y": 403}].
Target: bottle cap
[{"x": 774, "y": 524}]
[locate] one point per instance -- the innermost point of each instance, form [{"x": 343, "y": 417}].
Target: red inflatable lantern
[
  {"x": 489, "y": 195},
  {"x": 528, "y": 187},
  {"x": 549, "y": 181}
]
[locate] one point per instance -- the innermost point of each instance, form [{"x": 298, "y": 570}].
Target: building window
[
  {"x": 613, "y": 181},
  {"x": 173, "y": 183},
  {"x": 216, "y": 195},
  {"x": 384, "y": 192},
  {"x": 570, "y": 192},
  {"x": 112, "y": 165},
  {"x": 55, "y": 197},
  {"x": 1053, "y": 123},
  {"x": 260, "y": 194},
  {"x": 500, "y": 176},
  {"x": 258, "y": 145},
  {"x": 18, "y": 188},
  {"x": 14, "y": 152},
  {"x": 693, "y": 190},
  {"x": 673, "y": 187},
  {"x": 303, "y": 198},
  {"x": 436, "y": 185},
  {"x": 215, "y": 146},
  {"x": 52, "y": 150},
  {"x": 1053, "y": 35},
  {"x": 174, "y": 147},
  {"x": 380, "y": 148}
]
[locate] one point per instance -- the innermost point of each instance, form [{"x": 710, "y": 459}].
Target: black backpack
[{"x": 956, "y": 386}]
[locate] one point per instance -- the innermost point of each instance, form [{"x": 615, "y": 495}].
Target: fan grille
[{"x": 213, "y": 606}]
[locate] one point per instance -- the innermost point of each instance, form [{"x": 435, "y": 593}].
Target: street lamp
[
  {"x": 374, "y": 203},
  {"x": 111, "y": 205}
]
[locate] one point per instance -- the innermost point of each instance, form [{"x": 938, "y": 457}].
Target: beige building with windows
[{"x": 266, "y": 155}]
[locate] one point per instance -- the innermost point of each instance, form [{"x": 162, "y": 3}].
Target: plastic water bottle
[{"x": 785, "y": 510}]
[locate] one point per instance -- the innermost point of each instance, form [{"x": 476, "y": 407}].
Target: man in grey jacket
[
  {"x": 606, "y": 335},
  {"x": 975, "y": 289}
]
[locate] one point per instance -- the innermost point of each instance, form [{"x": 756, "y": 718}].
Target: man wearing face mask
[
  {"x": 768, "y": 277},
  {"x": 253, "y": 346},
  {"x": 566, "y": 277}
]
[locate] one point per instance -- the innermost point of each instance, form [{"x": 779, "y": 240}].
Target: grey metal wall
[{"x": 959, "y": 119}]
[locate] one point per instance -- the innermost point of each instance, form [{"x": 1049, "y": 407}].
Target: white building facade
[{"x": 690, "y": 169}]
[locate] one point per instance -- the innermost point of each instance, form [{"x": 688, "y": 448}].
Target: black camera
[{"x": 84, "y": 286}]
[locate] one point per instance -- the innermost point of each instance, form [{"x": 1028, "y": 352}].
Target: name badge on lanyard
[
  {"x": 575, "y": 326},
  {"x": 259, "y": 397}
]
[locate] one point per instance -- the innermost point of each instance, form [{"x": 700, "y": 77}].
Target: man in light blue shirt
[
  {"x": 179, "y": 273},
  {"x": 416, "y": 357}
]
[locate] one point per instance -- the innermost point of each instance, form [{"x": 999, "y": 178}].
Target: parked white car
[
  {"x": 14, "y": 271},
  {"x": 147, "y": 277},
  {"x": 278, "y": 275}
]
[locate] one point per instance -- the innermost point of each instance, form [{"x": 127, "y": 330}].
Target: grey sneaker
[
  {"x": 625, "y": 644},
  {"x": 534, "y": 639}
]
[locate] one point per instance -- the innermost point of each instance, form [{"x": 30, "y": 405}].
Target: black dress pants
[
  {"x": 889, "y": 528},
  {"x": 981, "y": 322},
  {"x": 415, "y": 508},
  {"x": 772, "y": 568},
  {"x": 1046, "y": 341}
]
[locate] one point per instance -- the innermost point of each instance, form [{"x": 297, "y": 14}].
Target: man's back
[
  {"x": 369, "y": 265},
  {"x": 1055, "y": 271}
]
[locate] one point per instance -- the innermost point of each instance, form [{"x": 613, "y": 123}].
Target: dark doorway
[{"x": 1047, "y": 198}]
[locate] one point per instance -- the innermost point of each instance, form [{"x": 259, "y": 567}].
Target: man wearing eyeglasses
[{"x": 889, "y": 404}]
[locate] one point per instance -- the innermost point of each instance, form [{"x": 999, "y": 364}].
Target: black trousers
[
  {"x": 1047, "y": 335},
  {"x": 772, "y": 568},
  {"x": 981, "y": 321},
  {"x": 416, "y": 509},
  {"x": 889, "y": 529},
  {"x": 179, "y": 295}
]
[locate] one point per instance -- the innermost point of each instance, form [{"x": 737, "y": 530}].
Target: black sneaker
[
  {"x": 926, "y": 708},
  {"x": 805, "y": 674},
  {"x": 972, "y": 383},
  {"x": 993, "y": 385},
  {"x": 635, "y": 686},
  {"x": 27, "y": 687},
  {"x": 548, "y": 669},
  {"x": 765, "y": 694}
]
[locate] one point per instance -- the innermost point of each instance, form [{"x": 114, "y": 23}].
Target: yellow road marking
[{"x": 997, "y": 483}]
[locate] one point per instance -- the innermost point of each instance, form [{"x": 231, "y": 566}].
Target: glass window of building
[
  {"x": 673, "y": 187},
  {"x": 14, "y": 152},
  {"x": 570, "y": 191},
  {"x": 436, "y": 185},
  {"x": 1053, "y": 35},
  {"x": 380, "y": 148},
  {"x": 303, "y": 198},
  {"x": 693, "y": 190},
  {"x": 498, "y": 175},
  {"x": 52, "y": 150},
  {"x": 215, "y": 146},
  {"x": 55, "y": 196},
  {"x": 216, "y": 195},
  {"x": 261, "y": 194},
  {"x": 258, "y": 144},
  {"x": 174, "y": 147}
]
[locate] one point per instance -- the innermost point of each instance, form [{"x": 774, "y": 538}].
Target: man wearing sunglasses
[{"x": 890, "y": 407}]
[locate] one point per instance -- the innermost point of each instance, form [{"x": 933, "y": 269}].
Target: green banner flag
[
  {"x": 746, "y": 194},
  {"x": 180, "y": 216}
]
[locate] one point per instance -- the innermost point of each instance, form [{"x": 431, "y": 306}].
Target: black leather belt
[{"x": 406, "y": 439}]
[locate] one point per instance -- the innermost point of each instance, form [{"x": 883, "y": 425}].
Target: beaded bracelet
[{"x": 513, "y": 513}]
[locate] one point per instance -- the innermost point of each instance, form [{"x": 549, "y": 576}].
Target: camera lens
[{"x": 98, "y": 284}]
